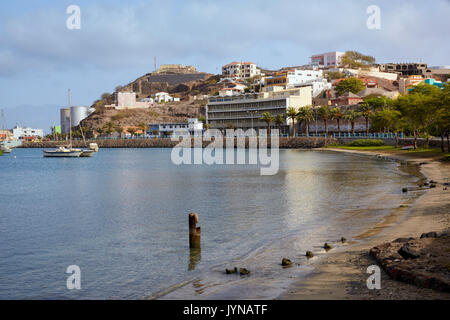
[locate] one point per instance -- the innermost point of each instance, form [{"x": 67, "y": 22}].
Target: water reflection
[{"x": 195, "y": 256}]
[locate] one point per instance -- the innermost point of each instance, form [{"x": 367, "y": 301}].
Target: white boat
[
  {"x": 63, "y": 152},
  {"x": 85, "y": 153}
]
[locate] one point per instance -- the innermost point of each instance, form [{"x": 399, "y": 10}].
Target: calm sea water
[{"x": 122, "y": 216}]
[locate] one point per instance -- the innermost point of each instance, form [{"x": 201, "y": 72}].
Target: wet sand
[{"x": 342, "y": 273}]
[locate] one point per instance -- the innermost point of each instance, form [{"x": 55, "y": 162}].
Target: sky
[{"x": 40, "y": 58}]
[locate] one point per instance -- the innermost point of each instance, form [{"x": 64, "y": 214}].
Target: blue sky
[{"x": 40, "y": 58}]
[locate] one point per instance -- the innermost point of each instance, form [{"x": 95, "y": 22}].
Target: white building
[
  {"x": 245, "y": 111},
  {"x": 327, "y": 60},
  {"x": 193, "y": 125},
  {"x": 240, "y": 70},
  {"x": 299, "y": 77},
  {"x": 26, "y": 132},
  {"x": 127, "y": 100},
  {"x": 165, "y": 97}
]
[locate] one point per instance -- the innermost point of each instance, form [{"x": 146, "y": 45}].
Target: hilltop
[{"x": 179, "y": 81}]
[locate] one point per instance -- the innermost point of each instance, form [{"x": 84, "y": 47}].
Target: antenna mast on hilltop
[{"x": 154, "y": 62}]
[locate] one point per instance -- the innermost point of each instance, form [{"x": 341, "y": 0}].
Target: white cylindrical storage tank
[
  {"x": 78, "y": 113},
  {"x": 65, "y": 120}
]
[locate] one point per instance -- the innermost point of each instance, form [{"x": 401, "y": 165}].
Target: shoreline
[{"x": 342, "y": 273}]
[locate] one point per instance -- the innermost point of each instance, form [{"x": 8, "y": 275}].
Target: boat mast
[{"x": 70, "y": 121}]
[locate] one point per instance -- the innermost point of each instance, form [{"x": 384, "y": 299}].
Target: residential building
[
  {"x": 299, "y": 77},
  {"x": 26, "y": 133},
  {"x": 165, "y": 97},
  {"x": 127, "y": 100},
  {"x": 6, "y": 134},
  {"x": 193, "y": 125},
  {"x": 405, "y": 69},
  {"x": 244, "y": 111},
  {"x": 404, "y": 84},
  {"x": 327, "y": 60},
  {"x": 231, "y": 89},
  {"x": 346, "y": 99},
  {"x": 240, "y": 70}
]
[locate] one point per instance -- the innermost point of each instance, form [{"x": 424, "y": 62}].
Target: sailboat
[{"x": 64, "y": 151}]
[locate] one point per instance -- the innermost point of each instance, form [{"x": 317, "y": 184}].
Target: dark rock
[
  {"x": 432, "y": 186},
  {"x": 404, "y": 190},
  {"x": 401, "y": 240},
  {"x": 343, "y": 239},
  {"x": 327, "y": 247},
  {"x": 309, "y": 254},
  {"x": 426, "y": 184},
  {"x": 243, "y": 271},
  {"x": 231, "y": 271},
  {"x": 429, "y": 235},
  {"x": 286, "y": 262},
  {"x": 432, "y": 182},
  {"x": 407, "y": 253},
  {"x": 444, "y": 234}
]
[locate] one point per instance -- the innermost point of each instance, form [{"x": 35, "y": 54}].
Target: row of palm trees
[{"x": 309, "y": 114}]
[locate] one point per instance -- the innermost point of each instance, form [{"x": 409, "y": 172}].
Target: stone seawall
[{"x": 284, "y": 143}]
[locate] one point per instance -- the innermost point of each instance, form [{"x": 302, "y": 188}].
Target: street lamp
[{"x": 252, "y": 113}]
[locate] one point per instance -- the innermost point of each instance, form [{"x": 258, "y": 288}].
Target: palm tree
[
  {"x": 109, "y": 128},
  {"x": 119, "y": 130},
  {"x": 365, "y": 111},
  {"x": 143, "y": 126},
  {"x": 306, "y": 114},
  {"x": 351, "y": 115},
  {"x": 267, "y": 118},
  {"x": 132, "y": 131},
  {"x": 337, "y": 114},
  {"x": 279, "y": 120},
  {"x": 325, "y": 114},
  {"x": 291, "y": 113}
]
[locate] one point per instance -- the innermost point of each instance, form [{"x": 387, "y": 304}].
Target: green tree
[
  {"x": 352, "y": 116},
  {"x": 356, "y": 60},
  {"x": 268, "y": 119},
  {"x": 143, "y": 126},
  {"x": 306, "y": 114},
  {"x": 132, "y": 131},
  {"x": 325, "y": 115},
  {"x": 119, "y": 130},
  {"x": 337, "y": 114},
  {"x": 352, "y": 85},
  {"x": 366, "y": 111},
  {"x": 279, "y": 121},
  {"x": 291, "y": 113}
]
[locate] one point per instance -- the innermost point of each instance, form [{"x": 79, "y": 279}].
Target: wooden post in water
[{"x": 194, "y": 231}]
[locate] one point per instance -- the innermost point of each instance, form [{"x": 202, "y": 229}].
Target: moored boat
[{"x": 62, "y": 152}]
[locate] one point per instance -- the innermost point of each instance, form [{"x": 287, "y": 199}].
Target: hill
[{"x": 185, "y": 83}]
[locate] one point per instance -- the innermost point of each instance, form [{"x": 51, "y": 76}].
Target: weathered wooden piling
[{"x": 194, "y": 231}]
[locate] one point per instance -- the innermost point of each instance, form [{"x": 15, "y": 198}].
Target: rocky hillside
[{"x": 190, "y": 88}]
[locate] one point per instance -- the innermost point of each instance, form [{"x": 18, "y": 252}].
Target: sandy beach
[{"x": 342, "y": 273}]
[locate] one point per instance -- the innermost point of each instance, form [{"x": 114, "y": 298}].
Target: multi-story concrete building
[
  {"x": 405, "y": 69},
  {"x": 298, "y": 77},
  {"x": 240, "y": 70},
  {"x": 327, "y": 60},
  {"x": 244, "y": 111}
]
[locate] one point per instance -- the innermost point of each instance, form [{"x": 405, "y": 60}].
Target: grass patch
[
  {"x": 363, "y": 148},
  {"x": 446, "y": 156},
  {"x": 366, "y": 143}
]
